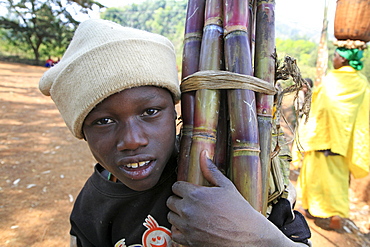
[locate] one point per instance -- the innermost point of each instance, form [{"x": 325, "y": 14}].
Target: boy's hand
[
  {"x": 213, "y": 216},
  {"x": 218, "y": 215}
]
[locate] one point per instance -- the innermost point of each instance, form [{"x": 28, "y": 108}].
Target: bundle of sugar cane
[{"x": 226, "y": 120}]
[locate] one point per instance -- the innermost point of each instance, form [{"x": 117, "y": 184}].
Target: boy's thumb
[{"x": 211, "y": 172}]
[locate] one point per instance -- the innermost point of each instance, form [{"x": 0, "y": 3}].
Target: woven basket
[{"x": 352, "y": 20}]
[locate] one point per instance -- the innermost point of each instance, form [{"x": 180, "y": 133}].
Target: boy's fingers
[
  {"x": 182, "y": 188},
  {"x": 172, "y": 202},
  {"x": 211, "y": 172}
]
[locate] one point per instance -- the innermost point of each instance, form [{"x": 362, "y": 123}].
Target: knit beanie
[{"x": 102, "y": 59}]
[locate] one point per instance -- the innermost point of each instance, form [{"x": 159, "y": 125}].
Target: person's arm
[{"x": 218, "y": 215}]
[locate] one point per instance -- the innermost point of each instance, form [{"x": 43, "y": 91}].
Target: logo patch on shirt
[{"x": 154, "y": 236}]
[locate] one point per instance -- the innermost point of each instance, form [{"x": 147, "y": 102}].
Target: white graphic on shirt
[
  {"x": 120, "y": 243},
  {"x": 154, "y": 236}
]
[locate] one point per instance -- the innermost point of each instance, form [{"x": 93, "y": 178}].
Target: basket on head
[{"x": 352, "y": 20}]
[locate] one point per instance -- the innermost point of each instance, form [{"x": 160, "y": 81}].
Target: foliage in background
[
  {"x": 44, "y": 27},
  {"x": 306, "y": 52},
  {"x": 49, "y": 22},
  {"x": 165, "y": 17}
]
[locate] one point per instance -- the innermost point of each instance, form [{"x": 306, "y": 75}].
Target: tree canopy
[
  {"x": 32, "y": 24},
  {"x": 45, "y": 27},
  {"x": 165, "y": 17}
]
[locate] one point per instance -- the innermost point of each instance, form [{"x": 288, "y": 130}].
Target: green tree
[
  {"x": 32, "y": 24},
  {"x": 305, "y": 52},
  {"x": 165, "y": 17}
]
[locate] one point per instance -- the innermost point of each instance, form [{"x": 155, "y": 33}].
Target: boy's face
[{"x": 132, "y": 134}]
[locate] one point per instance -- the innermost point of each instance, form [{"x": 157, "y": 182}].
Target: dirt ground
[{"x": 43, "y": 167}]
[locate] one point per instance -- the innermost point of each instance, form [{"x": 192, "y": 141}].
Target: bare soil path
[{"x": 43, "y": 167}]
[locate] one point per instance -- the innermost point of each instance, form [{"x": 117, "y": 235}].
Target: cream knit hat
[{"x": 102, "y": 59}]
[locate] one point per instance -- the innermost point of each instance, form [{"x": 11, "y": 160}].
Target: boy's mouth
[{"x": 138, "y": 164}]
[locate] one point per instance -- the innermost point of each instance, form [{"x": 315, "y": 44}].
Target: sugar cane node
[
  {"x": 213, "y": 21},
  {"x": 260, "y": 2},
  {"x": 186, "y": 130},
  {"x": 243, "y": 149},
  {"x": 191, "y": 36},
  {"x": 230, "y": 29},
  {"x": 204, "y": 136},
  {"x": 215, "y": 79}
]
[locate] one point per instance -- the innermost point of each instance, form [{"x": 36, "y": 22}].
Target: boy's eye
[
  {"x": 103, "y": 121},
  {"x": 150, "y": 112}
]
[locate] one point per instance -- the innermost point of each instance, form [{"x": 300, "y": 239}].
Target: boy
[{"x": 116, "y": 88}]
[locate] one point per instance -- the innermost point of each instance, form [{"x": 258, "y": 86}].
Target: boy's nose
[{"x": 131, "y": 137}]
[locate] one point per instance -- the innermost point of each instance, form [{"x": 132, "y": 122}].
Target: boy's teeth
[
  {"x": 136, "y": 165},
  {"x": 143, "y": 163}
]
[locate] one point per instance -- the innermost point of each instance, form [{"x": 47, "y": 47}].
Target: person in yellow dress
[{"x": 335, "y": 140}]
